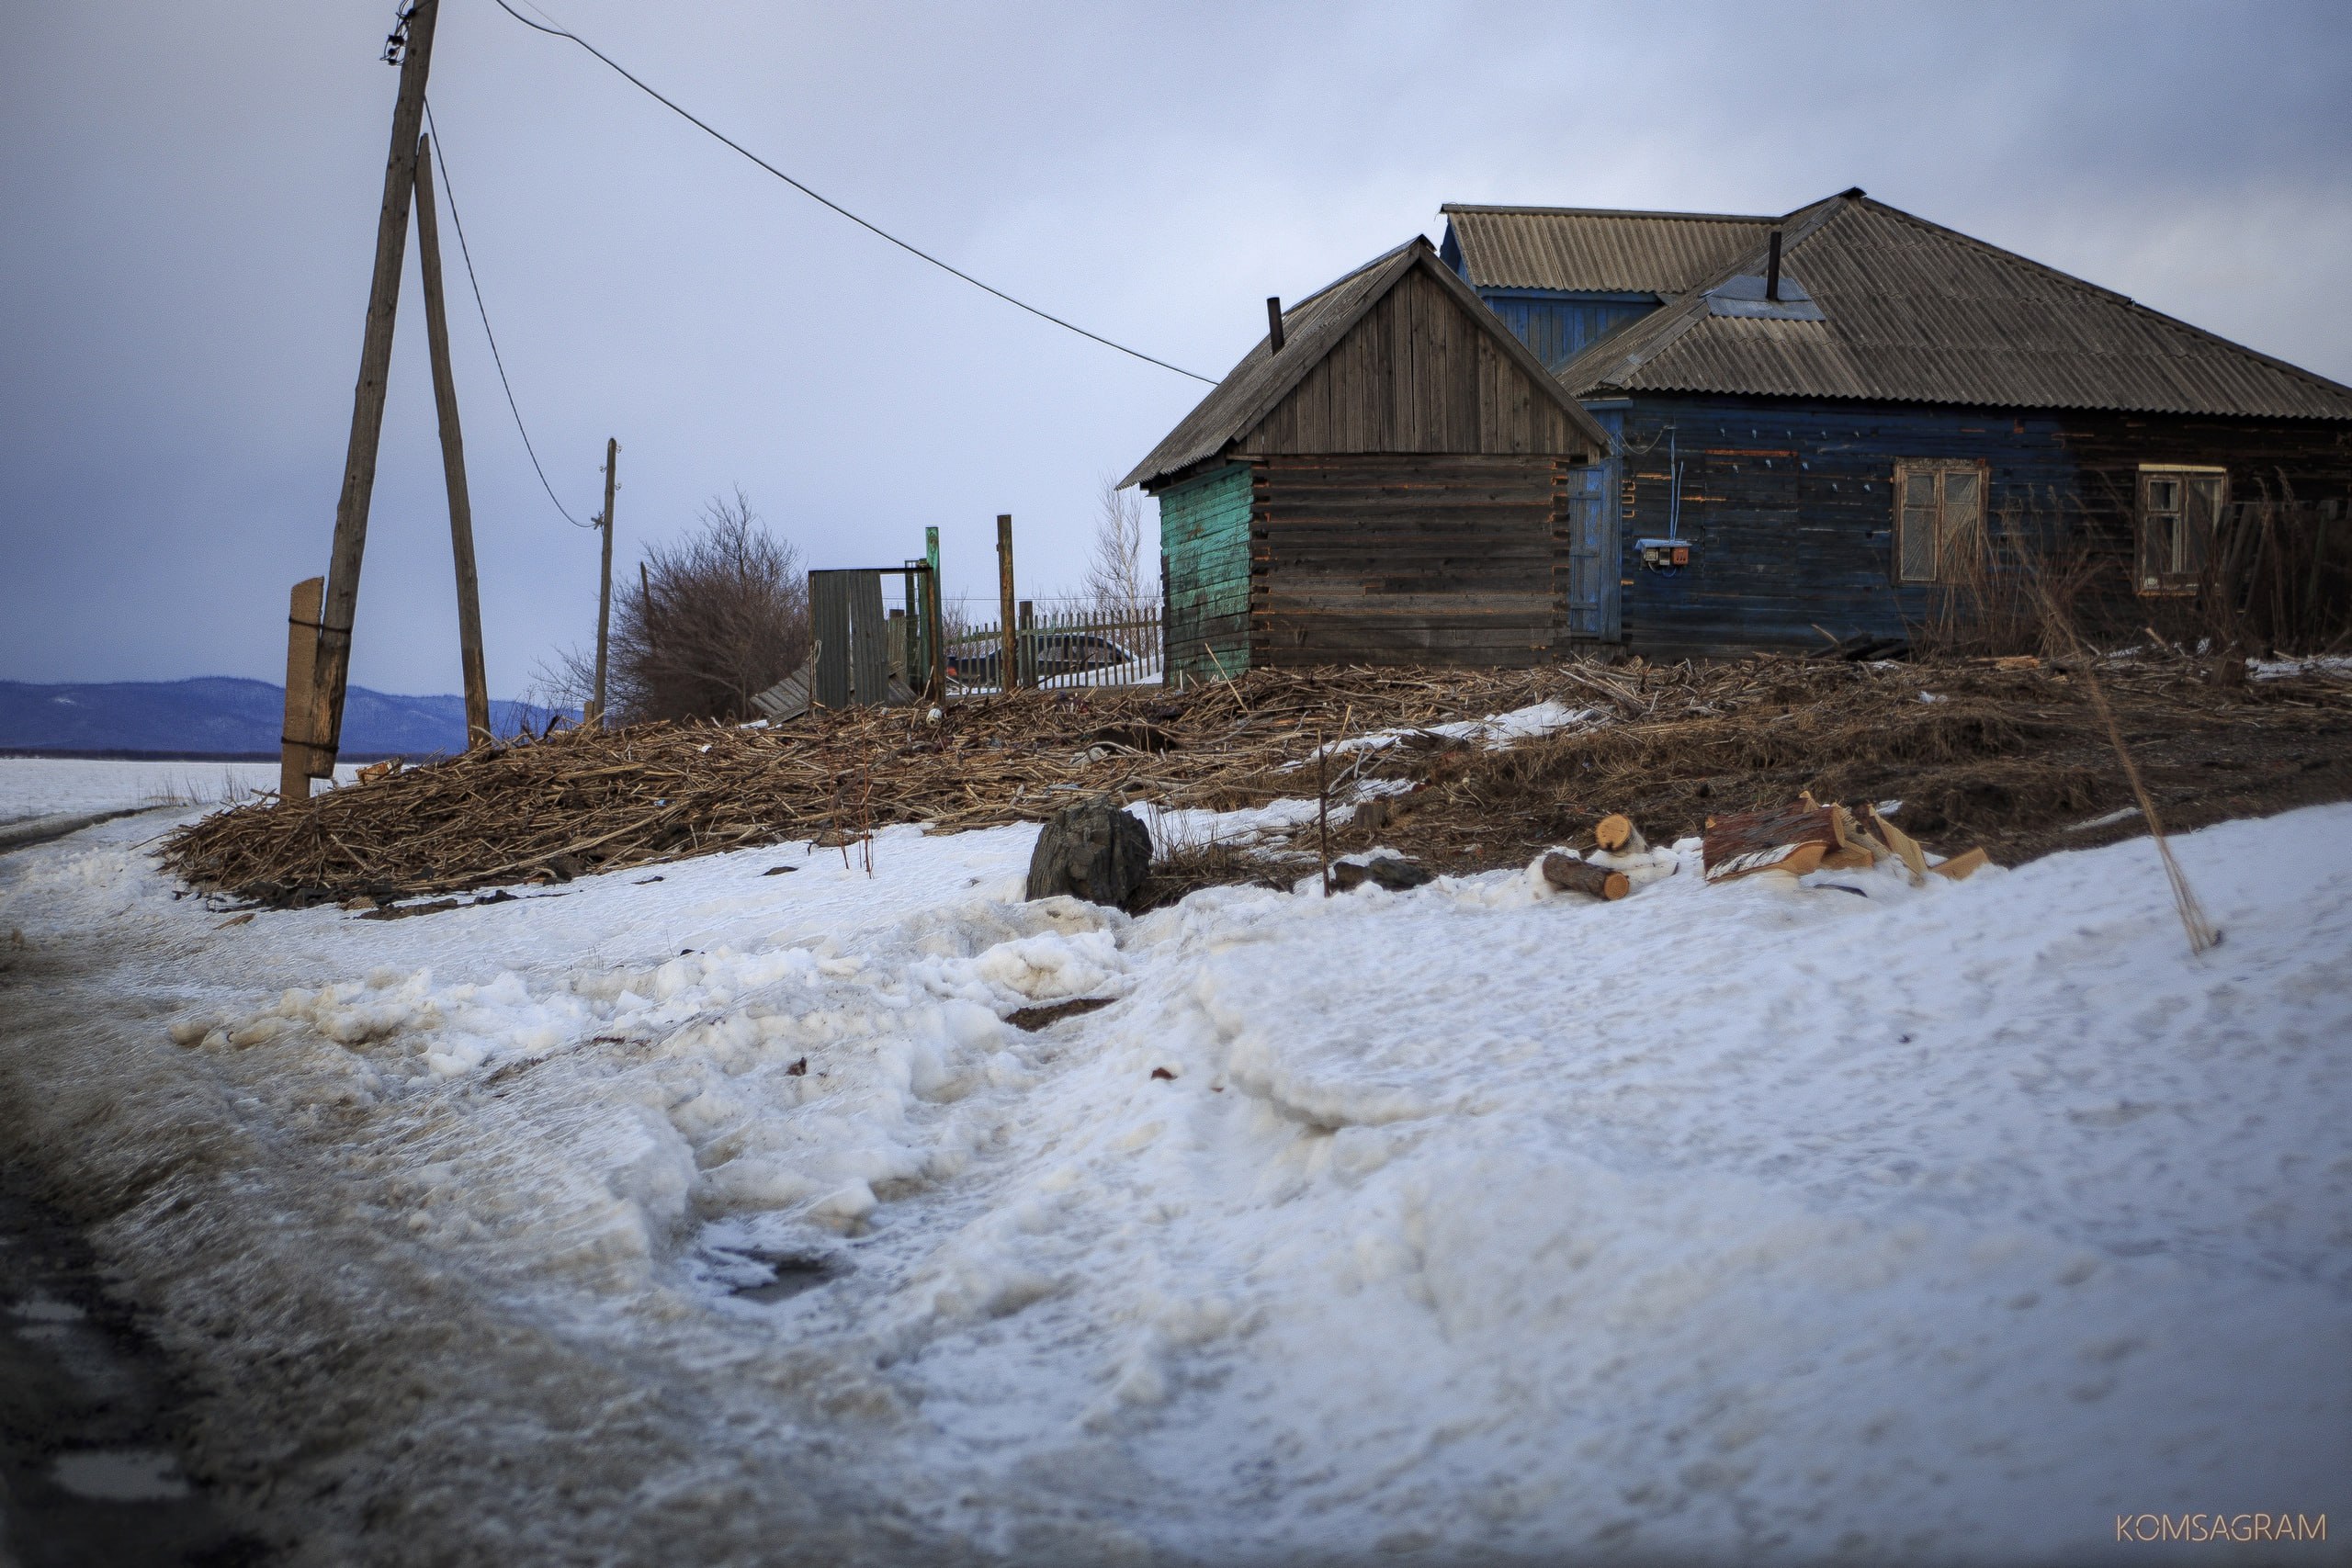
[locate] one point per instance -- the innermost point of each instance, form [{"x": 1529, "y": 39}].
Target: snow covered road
[{"x": 705, "y": 1215}]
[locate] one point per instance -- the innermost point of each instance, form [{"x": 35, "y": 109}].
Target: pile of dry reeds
[
  {"x": 1689, "y": 738},
  {"x": 584, "y": 800}
]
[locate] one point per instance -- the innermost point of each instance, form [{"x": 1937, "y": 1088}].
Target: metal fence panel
[{"x": 829, "y": 624}]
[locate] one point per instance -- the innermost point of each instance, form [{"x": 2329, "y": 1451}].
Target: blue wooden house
[{"x": 1820, "y": 421}]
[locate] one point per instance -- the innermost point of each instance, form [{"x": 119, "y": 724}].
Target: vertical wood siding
[
  {"x": 1559, "y": 327},
  {"x": 1407, "y": 560},
  {"x": 1204, "y": 533},
  {"x": 1418, "y": 373},
  {"x": 1790, "y": 510}
]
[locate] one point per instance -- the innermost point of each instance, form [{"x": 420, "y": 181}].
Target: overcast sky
[{"x": 189, "y": 198}]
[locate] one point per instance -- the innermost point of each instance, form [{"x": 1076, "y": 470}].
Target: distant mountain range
[{"x": 219, "y": 716}]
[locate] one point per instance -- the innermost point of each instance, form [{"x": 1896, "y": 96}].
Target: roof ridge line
[{"x": 1448, "y": 207}]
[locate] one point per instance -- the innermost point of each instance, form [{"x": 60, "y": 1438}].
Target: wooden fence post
[
  {"x": 605, "y": 582},
  {"x": 294, "y": 747},
  {"x": 1009, "y": 655},
  {"x": 1028, "y": 643},
  {"x": 934, "y": 628}
]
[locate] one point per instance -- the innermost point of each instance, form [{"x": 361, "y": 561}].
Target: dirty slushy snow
[{"x": 690, "y": 1216}]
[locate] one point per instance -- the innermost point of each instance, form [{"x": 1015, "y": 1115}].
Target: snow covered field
[
  {"x": 717, "y": 1216},
  {"x": 39, "y": 786}
]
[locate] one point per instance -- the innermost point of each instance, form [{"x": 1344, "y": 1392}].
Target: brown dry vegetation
[{"x": 2011, "y": 759}]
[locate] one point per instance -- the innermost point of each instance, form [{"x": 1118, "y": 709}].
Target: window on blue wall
[
  {"x": 1939, "y": 520},
  {"x": 2180, "y": 508}
]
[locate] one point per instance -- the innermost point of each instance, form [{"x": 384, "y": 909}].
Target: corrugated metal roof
[
  {"x": 1919, "y": 313},
  {"x": 1311, "y": 329},
  {"x": 1587, "y": 249}
]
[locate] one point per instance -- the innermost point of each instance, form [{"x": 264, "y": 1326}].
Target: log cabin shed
[
  {"x": 1396, "y": 479},
  {"x": 1812, "y": 424}
]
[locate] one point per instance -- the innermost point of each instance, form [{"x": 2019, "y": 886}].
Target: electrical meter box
[{"x": 1663, "y": 555}]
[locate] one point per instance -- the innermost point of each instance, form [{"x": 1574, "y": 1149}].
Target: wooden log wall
[
  {"x": 1790, "y": 506},
  {"x": 1407, "y": 560},
  {"x": 1204, "y": 534}
]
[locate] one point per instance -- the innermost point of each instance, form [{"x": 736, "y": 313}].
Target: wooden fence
[{"x": 1060, "y": 650}]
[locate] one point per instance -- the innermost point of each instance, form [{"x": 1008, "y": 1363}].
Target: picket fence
[{"x": 1060, "y": 650}]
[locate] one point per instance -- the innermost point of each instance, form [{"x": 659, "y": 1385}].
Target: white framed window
[
  {"x": 1939, "y": 520},
  {"x": 2180, "y": 505}
]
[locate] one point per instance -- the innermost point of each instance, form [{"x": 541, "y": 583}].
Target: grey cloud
[{"x": 191, "y": 196}]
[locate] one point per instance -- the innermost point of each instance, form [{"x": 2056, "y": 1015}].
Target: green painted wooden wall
[{"x": 1204, "y": 533}]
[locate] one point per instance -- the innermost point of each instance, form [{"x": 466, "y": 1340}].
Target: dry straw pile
[{"x": 1671, "y": 743}]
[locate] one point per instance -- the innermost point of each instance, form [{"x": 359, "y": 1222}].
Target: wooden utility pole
[
  {"x": 605, "y": 589},
  {"x": 1008, "y": 671},
  {"x": 323, "y": 732},
  {"x": 294, "y": 765},
  {"x": 453, "y": 456}
]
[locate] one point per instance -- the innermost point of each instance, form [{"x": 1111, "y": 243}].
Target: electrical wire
[
  {"x": 721, "y": 136},
  {"x": 449, "y": 199}
]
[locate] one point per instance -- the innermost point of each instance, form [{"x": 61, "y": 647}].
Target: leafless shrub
[
  {"x": 2277, "y": 580},
  {"x": 1996, "y": 590},
  {"x": 1119, "y": 585},
  {"x": 708, "y": 624}
]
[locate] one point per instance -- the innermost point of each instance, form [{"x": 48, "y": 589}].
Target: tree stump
[
  {"x": 1617, "y": 834},
  {"x": 1094, "y": 851}
]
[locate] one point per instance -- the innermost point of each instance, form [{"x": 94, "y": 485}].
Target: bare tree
[
  {"x": 708, "y": 624},
  {"x": 1119, "y": 585}
]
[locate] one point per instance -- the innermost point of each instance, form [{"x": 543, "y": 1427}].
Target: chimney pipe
[
  {"x": 1772, "y": 270},
  {"x": 1274, "y": 322}
]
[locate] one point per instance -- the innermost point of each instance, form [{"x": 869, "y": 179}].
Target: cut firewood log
[
  {"x": 1617, "y": 834},
  {"x": 1854, "y": 849},
  {"x": 1573, "y": 875},
  {"x": 1795, "y": 859},
  {"x": 1906, "y": 848},
  {"x": 1794, "y": 839},
  {"x": 1959, "y": 868}
]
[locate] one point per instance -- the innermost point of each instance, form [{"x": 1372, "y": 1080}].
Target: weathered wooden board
[
  {"x": 1418, "y": 373},
  {"x": 1438, "y": 557},
  {"x": 1204, "y": 534}
]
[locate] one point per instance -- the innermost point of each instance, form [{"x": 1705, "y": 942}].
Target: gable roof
[
  {"x": 1910, "y": 311},
  {"x": 1585, "y": 249},
  {"x": 1311, "y": 329}
]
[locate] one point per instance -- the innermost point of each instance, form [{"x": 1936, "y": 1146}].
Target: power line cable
[
  {"x": 449, "y": 199},
  {"x": 721, "y": 136}
]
